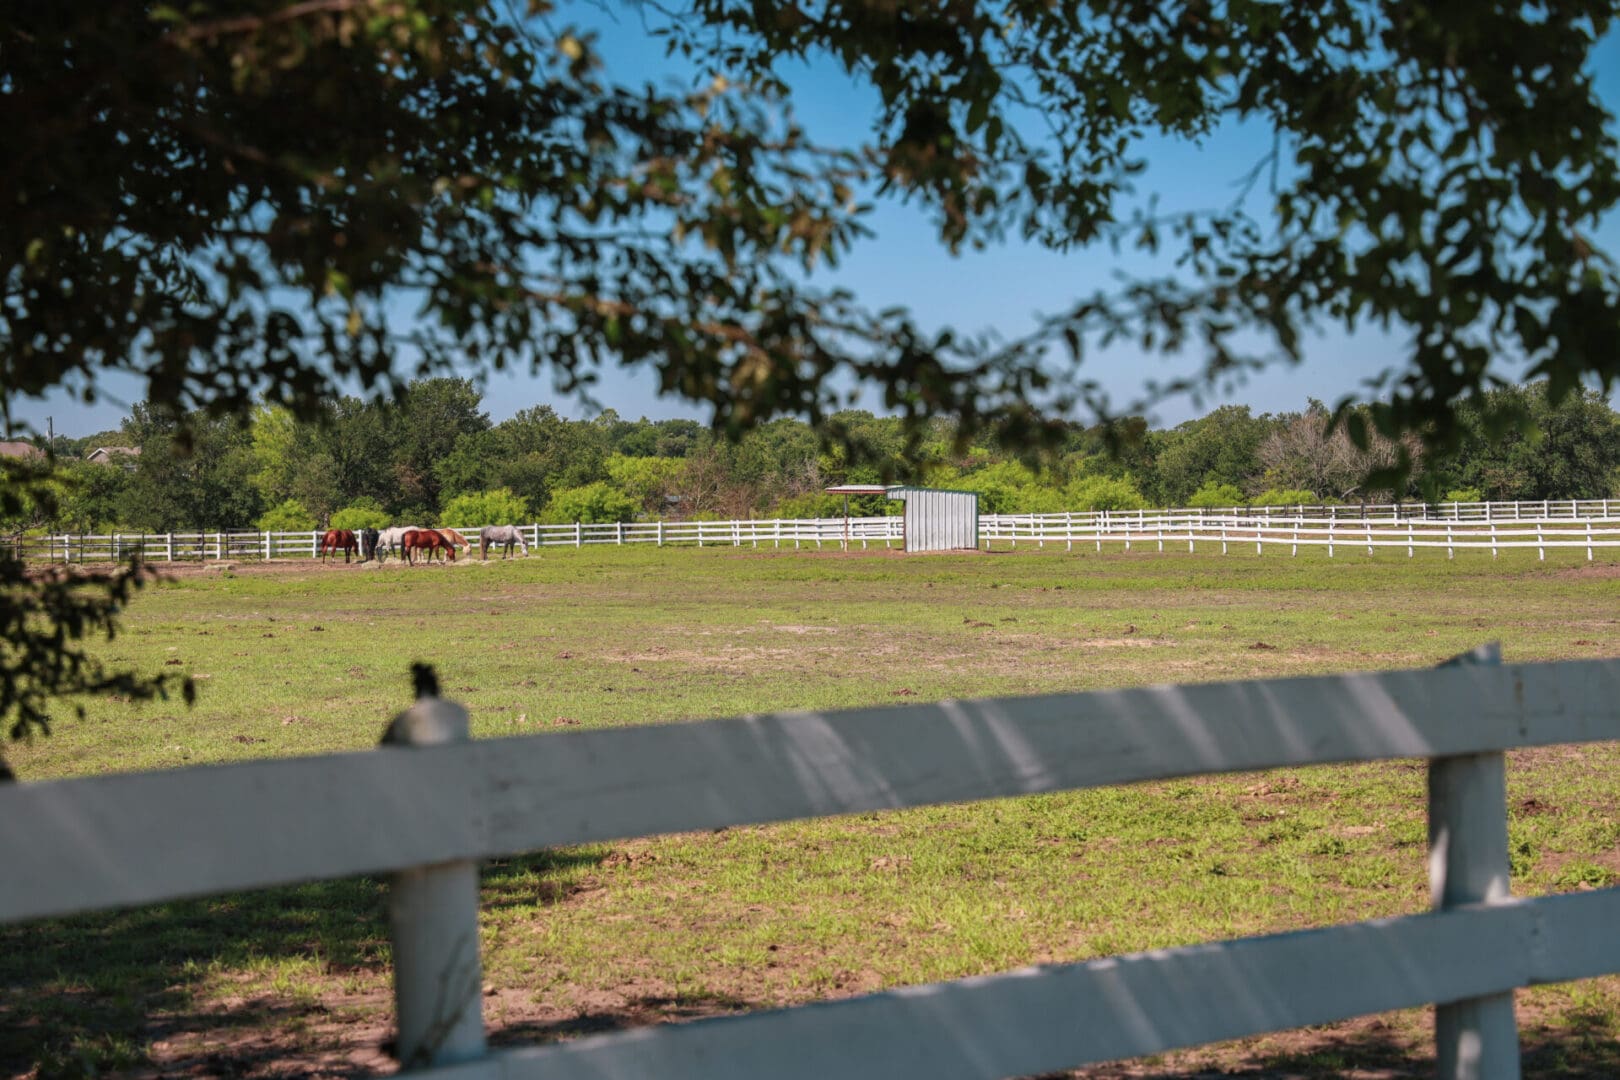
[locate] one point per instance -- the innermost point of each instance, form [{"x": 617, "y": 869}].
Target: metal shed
[{"x": 938, "y": 520}]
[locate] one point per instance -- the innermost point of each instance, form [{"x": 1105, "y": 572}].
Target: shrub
[
  {"x": 1006, "y": 487},
  {"x": 1463, "y": 495},
  {"x": 497, "y": 507},
  {"x": 290, "y": 516},
  {"x": 1104, "y": 493},
  {"x": 1286, "y": 497},
  {"x": 812, "y": 504},
  {"x": 597, "y": 503},
  {"x": 363, "y": 513},
  {"x": 1214, "y": 494}
]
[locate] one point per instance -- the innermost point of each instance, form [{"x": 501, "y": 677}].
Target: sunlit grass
[{"x": 297, "y": 660}]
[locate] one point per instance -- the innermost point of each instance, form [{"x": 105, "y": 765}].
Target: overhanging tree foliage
[{"x": 253, "y": 200}]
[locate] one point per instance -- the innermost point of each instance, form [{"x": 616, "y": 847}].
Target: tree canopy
[{"x": 481, "y": 187}]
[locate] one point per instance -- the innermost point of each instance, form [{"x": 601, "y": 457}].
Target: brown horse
[
  {"x": 337, "y": 540},
  {"x": 428, "y": 541}
]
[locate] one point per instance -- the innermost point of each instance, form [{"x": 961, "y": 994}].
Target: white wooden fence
[
  {"x": 305, "y": 544},
  {"x": 425, "y": 812},
  {"x": 1129, "y": 529},
  {"x": 1124, "y": 530}
]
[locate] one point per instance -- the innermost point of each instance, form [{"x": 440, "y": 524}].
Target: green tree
[
  {"x": 1521, "y": 444},
  {"x": 364, "y": 513},
  {"x": 288, "y": 516},
  {"x": 433, "y": 416},
  {"x": 1216, "y": 494},
  {"x": 193, "y": 473},
  {"x": 648, "y": 481},
  {"x": 477, "y": 509},
  {"x": 1220, "y": 448},
  {"x": 1286, "y": 497},
  {"x": 595, "y": 503},
  {"x": 93, "y": 496},
  {"x": 1103, "y": 493}
]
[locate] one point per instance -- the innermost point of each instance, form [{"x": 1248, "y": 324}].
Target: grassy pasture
[{"x": 296, "y": 658}]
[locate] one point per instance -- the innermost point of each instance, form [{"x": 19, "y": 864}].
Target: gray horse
[{"x": 500, "y": 534}]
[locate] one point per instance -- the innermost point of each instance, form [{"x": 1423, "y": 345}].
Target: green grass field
[{"x": 299, "y": 659}]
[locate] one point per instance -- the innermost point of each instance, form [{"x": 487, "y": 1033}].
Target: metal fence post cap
[{"x": 429, "y": 722}]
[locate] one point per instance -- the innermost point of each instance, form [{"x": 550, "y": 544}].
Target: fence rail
[{"x": 423, "y": 812}]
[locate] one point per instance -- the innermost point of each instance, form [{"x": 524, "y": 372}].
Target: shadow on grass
[
  {"x": 634, "y": 1012},
  {"x": 87, "y": 995}
]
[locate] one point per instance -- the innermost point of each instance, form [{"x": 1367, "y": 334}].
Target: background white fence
[
  {"x": 1126, "y": 529},
  {"x": 425, "y": 812}
]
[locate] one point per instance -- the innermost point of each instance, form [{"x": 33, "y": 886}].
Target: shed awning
[{"x": 858, "y": 489}]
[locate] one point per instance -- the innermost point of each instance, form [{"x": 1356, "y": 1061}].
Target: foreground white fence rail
[{"x": 424, "y": 812}]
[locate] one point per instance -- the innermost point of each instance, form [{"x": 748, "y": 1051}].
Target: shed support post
[
  {"x": 433, "y": 923},
  {"x": 1477, "y": 1038}
]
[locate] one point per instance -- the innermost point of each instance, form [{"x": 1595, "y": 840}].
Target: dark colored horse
[
  {"x": 368, "y": 544},
  {"x": 337, "y": 540},
  {"x": 427, "y": 541},
  {"x": 496, "y": 535}
]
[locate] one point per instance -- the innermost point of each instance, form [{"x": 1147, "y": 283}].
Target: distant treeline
[{"x": 434, "y": 456}]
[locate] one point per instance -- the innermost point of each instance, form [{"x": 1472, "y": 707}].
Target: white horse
[
  {"x": 388, "y": 541},
  {"x": 500, "y": 534}
]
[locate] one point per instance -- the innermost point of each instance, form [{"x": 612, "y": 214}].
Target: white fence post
[
  {"x": 168, "y": 547},
  {"x": 1477, "y": 1038},
  {"x": 660, "y": 532},
  {"x": 433, "y": 917},
  {"x": 579, "y": 535}
]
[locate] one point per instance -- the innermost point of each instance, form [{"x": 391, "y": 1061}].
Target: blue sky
[{"x": 1003, "y": 289}]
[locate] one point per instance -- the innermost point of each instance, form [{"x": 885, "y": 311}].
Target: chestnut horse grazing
[
  {"x": 337, "y": 540},
  {"x": 426, "y": 540}
]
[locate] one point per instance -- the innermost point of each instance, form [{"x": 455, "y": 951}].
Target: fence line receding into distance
[
  {"x": 425, "y": 813},
  {"x": 1124, "y": 529}
]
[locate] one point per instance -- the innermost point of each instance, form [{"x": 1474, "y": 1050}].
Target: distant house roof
[
  {"x": 107, "y": 453},
  {"x": 19, "y": 450}
]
